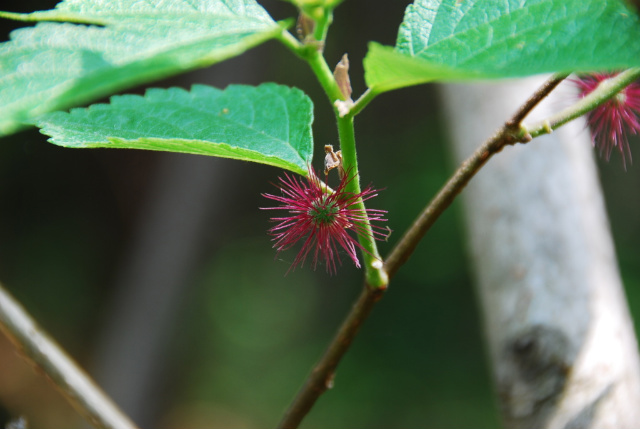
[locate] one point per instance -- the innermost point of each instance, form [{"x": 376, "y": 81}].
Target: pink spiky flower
[
  {"x": 323, "y": 219},
  {"x": 611, "y": 121}
]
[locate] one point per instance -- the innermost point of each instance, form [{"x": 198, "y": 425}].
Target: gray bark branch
[{"x": 43, "y": 353}]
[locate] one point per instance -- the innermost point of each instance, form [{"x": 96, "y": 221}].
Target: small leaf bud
[
  {"x": 341, "y": 75},
  {"x": 305, "y": 27}
]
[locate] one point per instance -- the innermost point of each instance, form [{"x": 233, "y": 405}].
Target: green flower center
[{"x": 323, "y": 213}]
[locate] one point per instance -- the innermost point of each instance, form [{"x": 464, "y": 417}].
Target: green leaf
[
  {"x": 468, "y": 39},
  {"x": 269, "y": 124},
  {"x": 54, "y": 66}
]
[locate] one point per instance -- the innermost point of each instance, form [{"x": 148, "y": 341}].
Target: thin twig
[
  {"x": 536, "y": 98},
  {"x": 41, "y": 351},
  {"x": 321, "y": 377},
  {"x": 504, "y": 136}
]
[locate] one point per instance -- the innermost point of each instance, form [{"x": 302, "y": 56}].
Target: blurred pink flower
[
  {"x": 611, "y": 121},
  {"x": 323, "y": 219}
]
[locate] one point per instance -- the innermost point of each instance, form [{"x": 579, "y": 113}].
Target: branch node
[
  {"x": 344, "y": 107},
  {"x": 329, "y": 381},
  {"x": 526, "y": 138}
]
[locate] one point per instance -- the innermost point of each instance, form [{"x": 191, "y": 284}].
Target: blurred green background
[{"x": 237, "y": 337}]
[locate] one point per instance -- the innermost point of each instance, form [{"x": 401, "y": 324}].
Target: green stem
[
  {"x": 316, "y": 61},
  {"x": 375, "y": 275},
  {"x": 362, "y": 102},
  {"x": 293, "y": 44},
  {"x": 322, "y": 25},
  {"x": 324, "y": 74}
]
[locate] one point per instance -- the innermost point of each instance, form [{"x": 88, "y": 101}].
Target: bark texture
[{"x": 559, "y": 332}]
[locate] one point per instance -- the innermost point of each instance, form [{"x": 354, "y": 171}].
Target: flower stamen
[{"x": 322, "y": 220}]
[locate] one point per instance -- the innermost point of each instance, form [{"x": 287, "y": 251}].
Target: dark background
[{"x": 237, "y": 337}]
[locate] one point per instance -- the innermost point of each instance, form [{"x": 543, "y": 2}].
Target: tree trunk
[{"x": 560, "y": 338}]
